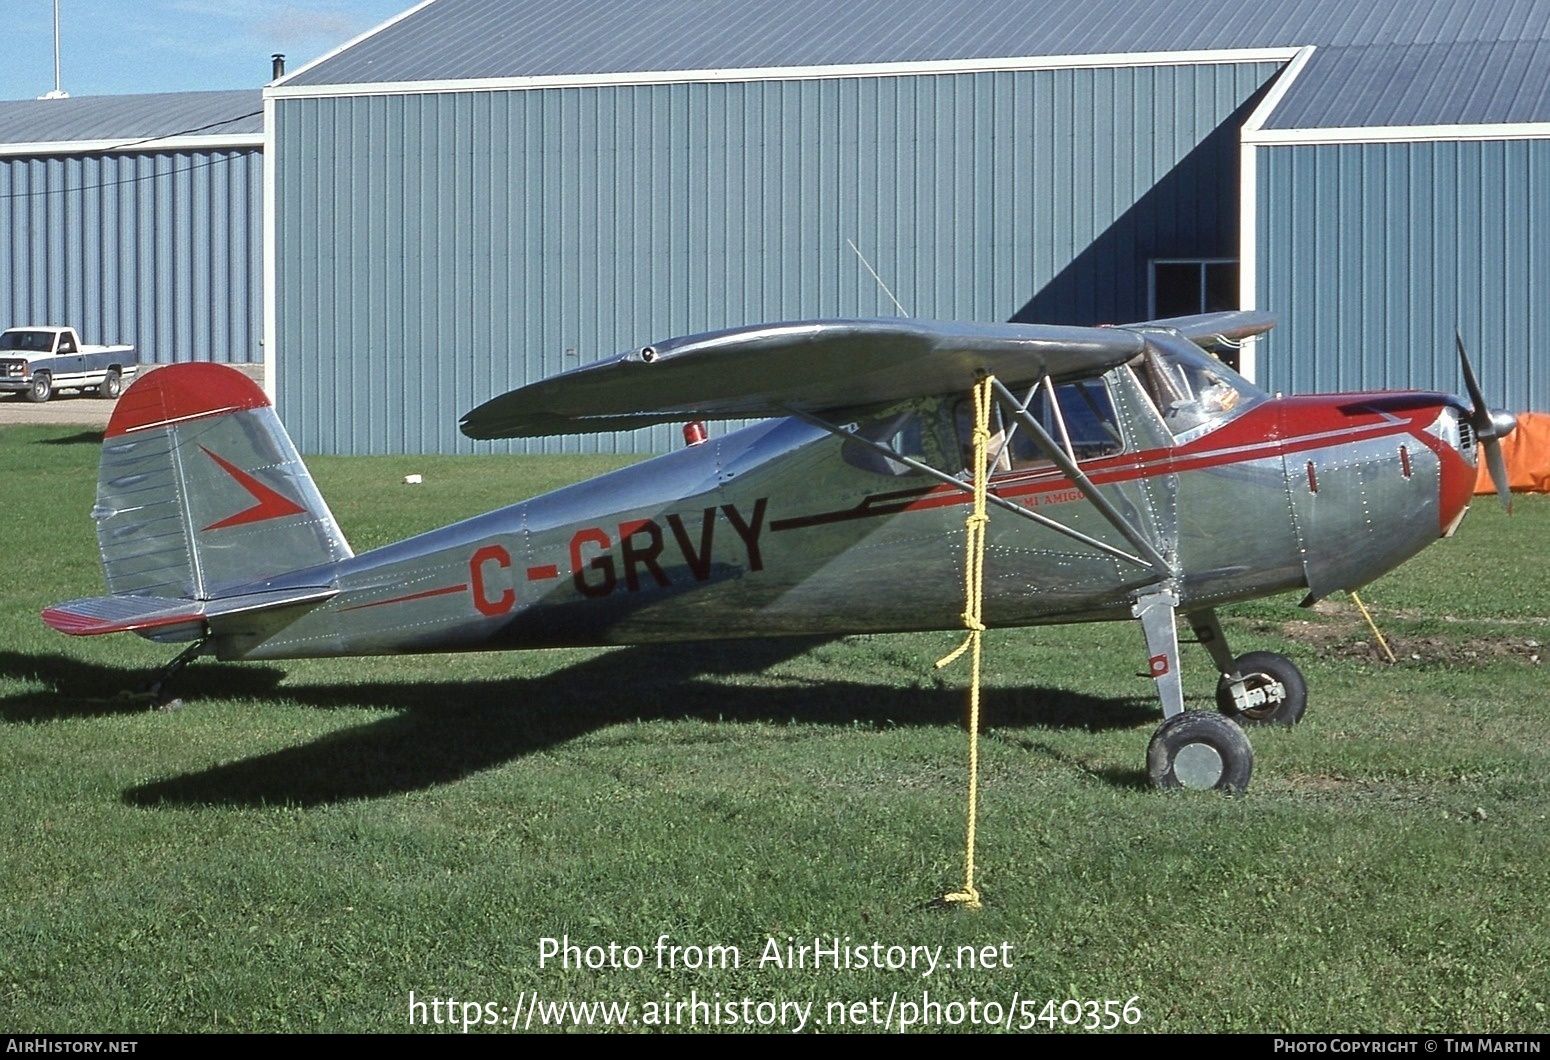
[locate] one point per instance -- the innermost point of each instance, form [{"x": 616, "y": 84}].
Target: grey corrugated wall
[
  {"x": 435, "y": 250},
  {"x": 1372, "y": 254},
  {"x": 160, "y": 249}
]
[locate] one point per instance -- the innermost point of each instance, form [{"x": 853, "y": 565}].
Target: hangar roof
[
  {"x": 1418, "y": 63},
  {"x": 126, "y": 119}
]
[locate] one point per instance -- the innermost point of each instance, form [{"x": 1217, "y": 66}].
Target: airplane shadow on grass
[
  {"x": 443, "y": 731},
  {"x": 93, "y": 438}
]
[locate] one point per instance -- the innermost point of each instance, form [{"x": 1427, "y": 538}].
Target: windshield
[
  {"x": 1194, "y": 391},
  {"x": 27, "y": 340}
]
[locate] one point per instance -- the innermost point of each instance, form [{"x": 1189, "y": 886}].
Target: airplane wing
[
  {"x": 772, "y": 369},
  {"x": 1214, "y": 329}
]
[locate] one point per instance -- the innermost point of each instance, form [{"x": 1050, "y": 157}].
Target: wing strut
[
  {"x": 851, "y": 434},
  {"x": 1062, "y": 459}
]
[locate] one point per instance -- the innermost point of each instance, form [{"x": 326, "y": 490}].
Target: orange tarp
[{"x": 1527, "y": 453}]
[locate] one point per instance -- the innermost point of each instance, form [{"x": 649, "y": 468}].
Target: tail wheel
[
  {"x": 1201, "y": 751},
  {"x": 1274, "y": 692}
]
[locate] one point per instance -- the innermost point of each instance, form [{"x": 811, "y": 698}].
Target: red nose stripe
[{"x": 1458, "y": 486}]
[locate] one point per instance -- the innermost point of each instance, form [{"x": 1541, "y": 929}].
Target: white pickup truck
[{"x": 36, "y": 361}]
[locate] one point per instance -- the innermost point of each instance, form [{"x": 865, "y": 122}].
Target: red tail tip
[{"x": 182, "y": 392}]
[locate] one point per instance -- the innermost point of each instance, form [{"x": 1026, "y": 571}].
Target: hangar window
[{"x": 1182, "y": 287}]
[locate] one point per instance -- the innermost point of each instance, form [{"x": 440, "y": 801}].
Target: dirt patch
[{"x": 1342, "y": 634}]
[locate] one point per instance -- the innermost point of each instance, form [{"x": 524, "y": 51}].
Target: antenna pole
[
  {"x": 58, "y": 92},
  {"x": 879, "y": 279}
]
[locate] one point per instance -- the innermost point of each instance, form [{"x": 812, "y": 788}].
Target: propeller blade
[
  {"x": 1489, "y": 429},
  {"x": 1479, "y": 414},
  {"x": 1498, "y": 467}
]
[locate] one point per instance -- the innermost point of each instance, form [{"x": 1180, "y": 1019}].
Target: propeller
[{"x": 1490, "y": 427}]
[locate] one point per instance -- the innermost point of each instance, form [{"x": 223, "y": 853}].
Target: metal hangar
[{"x": 479, "y": 194}]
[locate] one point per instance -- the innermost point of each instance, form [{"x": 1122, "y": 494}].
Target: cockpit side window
[
  {"x": 939, "y": 432},
  {"x": 1080, "y": 419}
]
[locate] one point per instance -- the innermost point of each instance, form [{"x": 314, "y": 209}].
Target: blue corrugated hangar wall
[
  {"x": 433, "y": 249},
  {"x": 158, "y": 248},
  {"x": 1372, "y": 254}
]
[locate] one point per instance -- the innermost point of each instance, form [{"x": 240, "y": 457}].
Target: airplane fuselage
[{"x": 777, "y": 529}]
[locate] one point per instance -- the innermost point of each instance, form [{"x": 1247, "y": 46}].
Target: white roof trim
[
  {"x": 349, "y": 44},
  {"x": 1248, "y": 200},
  {"x": 1392, "y": 134},
  {"x": 1277, "y": 93},
  {"x": 270, "y": 237},
  {"x": 1256, "y": 135},
  {"x": 147, "y": 145},
  {"x": 283, "y": 90}
]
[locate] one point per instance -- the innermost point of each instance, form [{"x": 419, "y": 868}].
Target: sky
[{"x": 116, "y": 47}]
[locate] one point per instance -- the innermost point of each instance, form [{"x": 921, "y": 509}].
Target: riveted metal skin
[{"x": 771, "y": 531}]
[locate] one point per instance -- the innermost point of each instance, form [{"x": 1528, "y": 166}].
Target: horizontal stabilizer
[
  {"x": 121, "y": 614},
  {"x": 164, "y": 618},
  {"x": 774, "y": 369}
]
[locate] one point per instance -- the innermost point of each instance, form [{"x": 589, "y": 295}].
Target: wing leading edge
[{"x": 811, "y": 366}]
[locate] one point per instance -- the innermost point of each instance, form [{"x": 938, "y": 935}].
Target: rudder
[{"x": 201, "y": 493}]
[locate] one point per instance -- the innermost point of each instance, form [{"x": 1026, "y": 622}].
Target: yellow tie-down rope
[{"x": 974, "y": 597}]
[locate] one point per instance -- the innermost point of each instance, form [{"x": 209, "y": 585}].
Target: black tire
[
  {"x": 42, "y": 388},
  {"x": 112, "y": 385},
  {"x": 1200, "y": 750},
  {"x": 1274, "y": 682}
]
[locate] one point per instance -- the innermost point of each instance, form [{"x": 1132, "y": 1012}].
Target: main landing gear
[{"x": 1198, "y": 748}]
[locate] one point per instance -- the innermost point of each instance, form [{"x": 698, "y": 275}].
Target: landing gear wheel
[
  {"x": 1276, "y": 690},
  {"x": 111, "y": 386},
  {"x": 42, "y": 388},
  {"x": 1200, "y": 750}
]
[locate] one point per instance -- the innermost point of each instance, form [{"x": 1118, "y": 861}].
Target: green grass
[{"x": 300, "y": 846}]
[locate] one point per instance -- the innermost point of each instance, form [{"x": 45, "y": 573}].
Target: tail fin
[{"x": 201, "y": 494}]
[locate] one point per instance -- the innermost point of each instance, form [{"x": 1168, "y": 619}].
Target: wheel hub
[
  {"x": 1259, "y": 691},
  {"x": 1198, "y": 766}
]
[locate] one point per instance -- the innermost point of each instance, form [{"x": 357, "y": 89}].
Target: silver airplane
[{"x": 1132, "y": 475}]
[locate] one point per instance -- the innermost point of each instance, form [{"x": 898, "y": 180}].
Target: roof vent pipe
[{"x": 278, "y": 62}]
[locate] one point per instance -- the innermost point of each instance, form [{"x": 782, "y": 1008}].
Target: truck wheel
[
  {"x": 42, "y": 387},
  {"x": 112, "y": 385}
]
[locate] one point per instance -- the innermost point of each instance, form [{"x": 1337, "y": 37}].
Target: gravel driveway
[{"x": 73, "y": 407}]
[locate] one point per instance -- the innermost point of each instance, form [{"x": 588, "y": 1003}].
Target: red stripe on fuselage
[
  {"x": 447, "y": 590},
  {"x": 1268, "y": 431}
]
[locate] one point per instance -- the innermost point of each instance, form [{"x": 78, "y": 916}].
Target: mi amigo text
[{"x": 832, "y": 952}]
